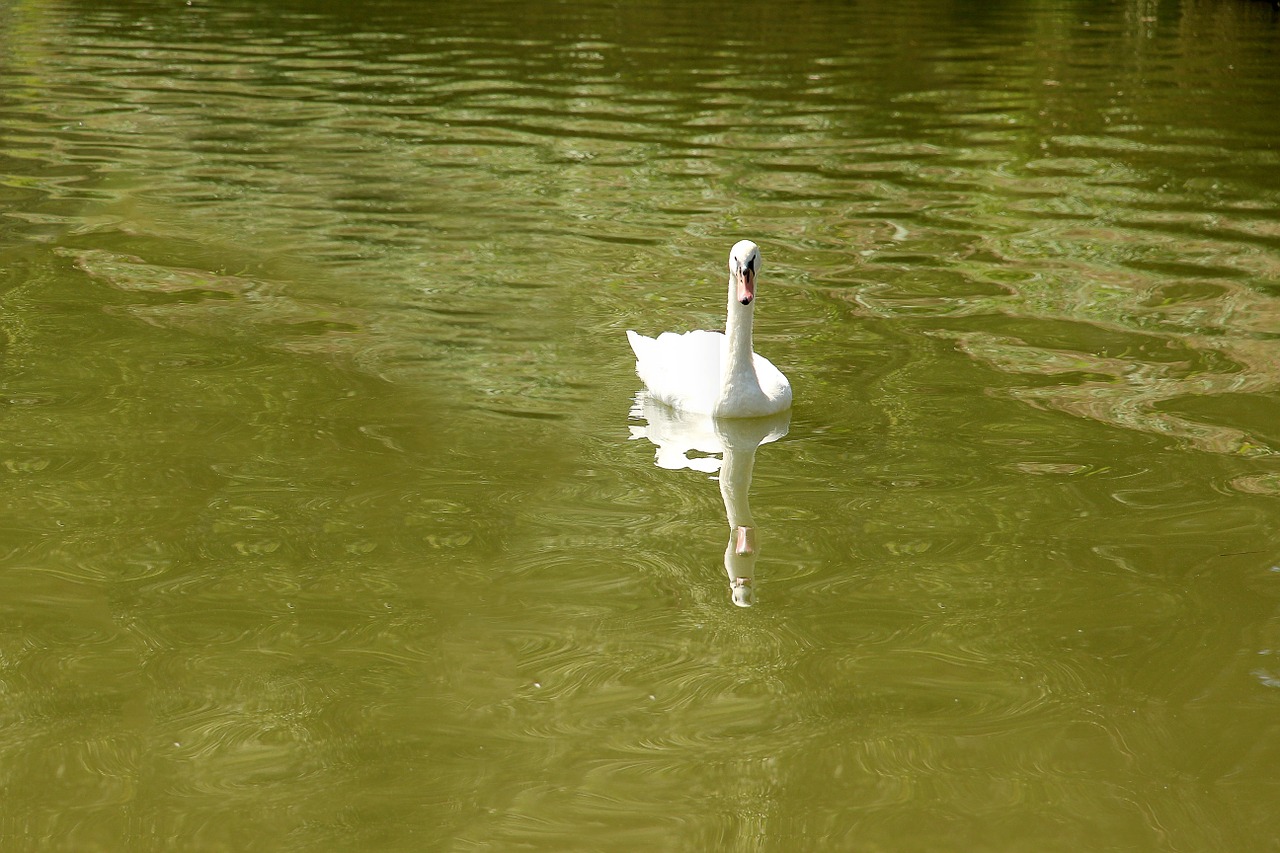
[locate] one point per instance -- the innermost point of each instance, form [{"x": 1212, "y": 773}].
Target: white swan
[{"x": 713, "y": 373}]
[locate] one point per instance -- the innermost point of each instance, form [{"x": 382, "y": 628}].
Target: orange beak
[{"x": 746, "y": 286}]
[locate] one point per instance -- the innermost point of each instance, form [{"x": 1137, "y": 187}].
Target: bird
[{"x": 716, "y": 373}]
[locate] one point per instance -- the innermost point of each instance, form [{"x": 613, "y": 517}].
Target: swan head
[{"x": 744, "y": 266}]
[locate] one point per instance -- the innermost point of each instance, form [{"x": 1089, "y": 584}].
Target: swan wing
[
  {"x": 680, "y": 370},
  {"x": 776, "y": 386}
]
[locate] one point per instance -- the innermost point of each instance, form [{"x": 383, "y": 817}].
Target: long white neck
[{"x": 737, "y": 369}]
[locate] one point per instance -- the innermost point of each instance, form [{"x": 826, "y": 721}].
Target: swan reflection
[{"x": 710, "y": 445}]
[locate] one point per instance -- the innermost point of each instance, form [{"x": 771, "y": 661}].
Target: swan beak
[
  {"x": 744, "y": 541},
  {"x": 746, "y": 286}
]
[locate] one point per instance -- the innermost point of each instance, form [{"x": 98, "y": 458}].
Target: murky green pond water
[{"x": 330, "y": 520}]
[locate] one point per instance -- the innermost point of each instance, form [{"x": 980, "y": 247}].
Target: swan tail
[{"x": 640, "y": 345}]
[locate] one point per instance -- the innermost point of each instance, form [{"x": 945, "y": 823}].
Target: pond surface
[{"x": 331, "y": 517}]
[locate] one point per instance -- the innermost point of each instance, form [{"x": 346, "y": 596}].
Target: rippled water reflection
[{"x": 323, "y": 528}]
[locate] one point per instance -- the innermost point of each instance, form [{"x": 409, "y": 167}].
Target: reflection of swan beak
[{"x": 739, "y": 561}]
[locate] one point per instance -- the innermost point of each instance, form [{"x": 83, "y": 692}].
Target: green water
[{"x": 328, "y": 520}]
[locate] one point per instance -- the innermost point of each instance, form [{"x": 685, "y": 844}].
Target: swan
[{"x": 713, "y": 373}]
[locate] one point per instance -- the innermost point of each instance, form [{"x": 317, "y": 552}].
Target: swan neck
[{"x": 737, "y": 333}]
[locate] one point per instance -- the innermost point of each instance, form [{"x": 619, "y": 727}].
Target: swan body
[{"x": 716, "y": 373}]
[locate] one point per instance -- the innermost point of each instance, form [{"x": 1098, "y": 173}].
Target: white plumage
[{"x": 713, "y": 373}]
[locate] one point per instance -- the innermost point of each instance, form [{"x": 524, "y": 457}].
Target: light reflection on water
[
  {"x": 323, "y": 531},
  {"x": 726, "y": 448}
]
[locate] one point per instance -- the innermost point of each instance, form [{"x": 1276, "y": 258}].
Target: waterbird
[{"x": 712, "y": 373}]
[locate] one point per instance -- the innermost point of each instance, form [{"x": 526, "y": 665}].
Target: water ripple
[{"x": 323, "y": 529}]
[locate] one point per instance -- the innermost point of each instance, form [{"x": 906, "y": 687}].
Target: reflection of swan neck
[{"x": 735, "y": 485}]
